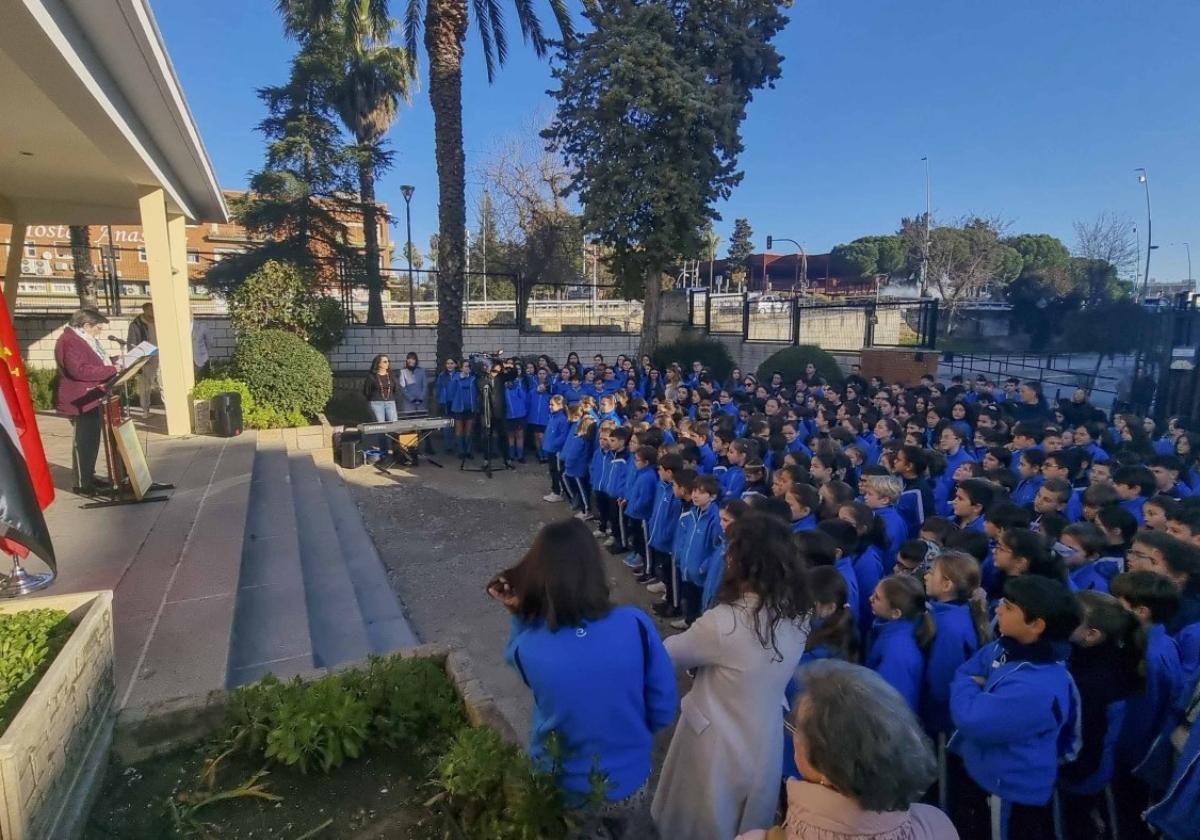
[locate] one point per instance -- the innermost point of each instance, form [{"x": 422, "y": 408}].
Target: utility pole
[{"x": 928, "y": 215}]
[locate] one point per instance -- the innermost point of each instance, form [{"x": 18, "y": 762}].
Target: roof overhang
[{"x": 92, "y": 115}]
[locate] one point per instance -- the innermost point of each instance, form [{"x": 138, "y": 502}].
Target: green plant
[
  {"x": 713, "y": 354},
  {"x": 43, "y": 382},
  {"x": 413, "y": 703},
  {"x": 281, "y": 295},
  {"x": 267, "y": 417},
  {"x": 206, "y": 389},
  {"x": 29, "y": 641},
  {"x": 792, "y": 361},
  {"x": 318, "y": 725},
  {"x": 283, "y": 372},
  {"x": 347, "y": 408}
]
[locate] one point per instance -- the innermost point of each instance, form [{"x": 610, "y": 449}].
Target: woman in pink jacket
[
  {"x": 865, "y": 762},
  {"x": 83, "y": 366}
]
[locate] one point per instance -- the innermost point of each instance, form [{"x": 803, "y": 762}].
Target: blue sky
[{"x": 1036, "y": 111}]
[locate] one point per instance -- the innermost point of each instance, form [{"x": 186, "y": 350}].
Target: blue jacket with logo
[
  {"x": 612, "y": 480},
  {"x": 514, "y": 400},
  {"x": 465, "y": 397},
  {"x": 953, "y": 644},
  {"x": 640, "y": 502},
  {"x": 537, "y": 405},
  {"x": 664, "y": 519},
  {"x": 733, "y": 483},
  {"x": 1014, "y": 730},
  {"x": 443, "y": 390},
  {"x": 1147, "y": 711},
  {"x": 576, "y": 454},
  {"x": 698, "y": 540},
  {"x": 1097, "y": 574},
  {"x": 868, "y": 571}
]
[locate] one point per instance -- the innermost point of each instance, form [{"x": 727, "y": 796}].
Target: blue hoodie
[
  {"x": 1146, "y": 711},
  {"x": 515, "y": 398},
  {"x": 699, "y": 538},
  {"x": 664, "y": 520},
  {"x": 733, "y": 482},
  {"x": 897, "y": 658},
  {"x": 1134, "y": 506},
  {"x": 576, "y": 453},
  {"x": 1014, "y": 730},
  {"x": 854, "y": 597},
  {"x": 868, "y": 571},
  {"x": 537, "y": 406},
  {"x": 895, "y": 528},
  {"x": 556, "y": 432},
  {"x": 465, "y": 397},
  {"x": 605, "y": 687},
  {"x": 443, "y": 390},
  {"x": 1096, "y": 574},
  {"x": 954, "y": 643},
  {"x": 640, "y": 502}
]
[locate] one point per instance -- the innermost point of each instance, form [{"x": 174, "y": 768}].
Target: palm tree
[
  {"x": 85, "y": 273},
  {"x": 374, "y": 79},
  {"x": 445, "y": 24}
]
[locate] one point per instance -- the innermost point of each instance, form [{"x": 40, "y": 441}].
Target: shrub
[
  {"x": 792, "y": 361},
  {"x": 268, "y": 417},
  {"x": 348, "y": 408},
  {"x": 29, "y": 641},
  {"x": 711, "y": 352},
  {"x": 42, "y": 384},
  {"x": 283, "y": 296},
  {"x": 206, "y": 389},
  {"x": 283, "y": 372}
]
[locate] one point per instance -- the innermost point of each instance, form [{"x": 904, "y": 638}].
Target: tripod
[{"x": 485, "y": 423}]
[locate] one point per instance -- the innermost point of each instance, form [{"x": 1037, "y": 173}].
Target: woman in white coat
[{"x": 722, "y": 771}]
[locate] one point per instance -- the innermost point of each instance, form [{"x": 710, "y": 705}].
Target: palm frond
[
  {"x": 381, "y": 20},
  {"x": 495, "y": 20},
  {"x": 485, "y": 37},
  {"x": 562, "y": 16},
  {"x": 531, "y": 27},
  {"x": 412, "y": 33}
]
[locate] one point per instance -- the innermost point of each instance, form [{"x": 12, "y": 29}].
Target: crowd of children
[{"x": 1026, "y": 575}]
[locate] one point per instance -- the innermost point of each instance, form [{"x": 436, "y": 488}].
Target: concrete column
[
  {"x": 177, "y": 228},
  {"x": 12, "y": 270},
  {"x": 153, "y": 208}
]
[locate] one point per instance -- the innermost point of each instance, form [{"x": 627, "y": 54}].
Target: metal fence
[{"x": 842, "y": 325}]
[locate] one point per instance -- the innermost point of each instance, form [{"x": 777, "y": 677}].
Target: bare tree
[{"x": 1108, "y": 237}]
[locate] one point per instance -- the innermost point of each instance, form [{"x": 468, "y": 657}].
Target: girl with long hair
[
  {"x": 721, "y": 775},
  {"x": 902, "y": 631},
  {"x": 379, "y": 387}
]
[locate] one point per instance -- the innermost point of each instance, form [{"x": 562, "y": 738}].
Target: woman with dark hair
[
  {"x": 412, "y": 384},
  {"x": 83, "y": 366},
  {"x": 721, "y": 774},
  {"x": 379, "y": 387},
  {"x": 602, "y": 682}
]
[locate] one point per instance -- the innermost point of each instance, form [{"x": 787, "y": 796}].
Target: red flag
[{"x": 14, "y": 390}]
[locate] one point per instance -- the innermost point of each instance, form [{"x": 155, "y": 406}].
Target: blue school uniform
[
  {"x": 612, "y": 482},
  {"x": 895, "y": 528},
  {"x": 1177, "y": 773},
  {"x": 641, "y": 493},
  {"x": 955, "y": 641},
  {"x": 700, "y": 546},
  {"x": 868, "y": 571},
  {"x": 896, "y": 656},
  {"x": 664, "y": 519},
  {"x": 443, "y": 390},
  {"x": 1074, "y": 511},
  {"x": 597, "y": 467},
  {"x": 537, "y": 406},
  {"x": 1097, "y": 574},
  {"x": 854, "y": 598},
  {"x": 515, "y": 397},
  {"x": 805, "y": 523},
  {"x": 1134, "y": 506},
  {"x": 605, "y": 713},
  {"x": 572, "y": 395},
  {"x": 733, "y": 483},
  {"x": 1013, "y": 731},
  {"x": 576, "y": 456},
  {"x": 1025, "y": 491},
  {"x": 707, "y": 460},
  {"x": 556, "y": 432},
  {"x": 465, "y": 399},
  {"x": 1147, "y": 711}
]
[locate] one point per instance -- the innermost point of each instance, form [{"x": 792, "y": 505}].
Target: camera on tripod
[{"x": 481, "y": 363}]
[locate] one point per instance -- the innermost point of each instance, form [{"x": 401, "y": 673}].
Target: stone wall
[{"x": 37, "y": 333}]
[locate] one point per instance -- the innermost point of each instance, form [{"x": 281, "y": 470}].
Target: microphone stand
[{"x": 486, "y": 385}]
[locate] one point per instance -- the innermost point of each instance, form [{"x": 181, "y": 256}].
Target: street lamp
[
  {"x": 801, "y": 273},
  {"x": 1187, "y": 246},
  {"x": 928, "y": 216},
  {"x": 407, "y": 191},
  {"x": 1144, "y": 179}
]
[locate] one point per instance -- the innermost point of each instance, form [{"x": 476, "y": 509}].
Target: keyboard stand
[{"x": 403, "y": 457}]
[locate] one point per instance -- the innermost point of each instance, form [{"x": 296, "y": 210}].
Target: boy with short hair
[
  {"x": 700, "y": 543},
  {"x": 1184, "y": 524},
  {"x": 1025, "y": 437},
  {"x": 614, "y": 485},
  {"x": 1052, "y": 497},
  {"x": 681, "y": 487},
  {"x": 1015, "y": 707},
  {"x": 1029, "y": 471},
  {"x": 1166, "y": 470},
  {"x": 881, "y": 492},
  {"x": 971, "y": 499},
  {"x": 598, "y": 471},
  {"x": 664, "y": 518},
  {"x": 639, "y": 506},
  {"x": 1134, "y": 484}
]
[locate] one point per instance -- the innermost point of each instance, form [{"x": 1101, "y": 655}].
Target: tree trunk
[
  {"x": 650, "y": 312},
  {"x": 85, "y": 273},
  {"x": 366, "y": 188},
  {"x": 445, "y": 30}
]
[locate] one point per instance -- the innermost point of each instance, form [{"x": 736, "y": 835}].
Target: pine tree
[{"x": 741, "y": 246}]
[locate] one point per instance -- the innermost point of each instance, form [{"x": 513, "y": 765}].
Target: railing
[{"x": 1058, "y": 374}]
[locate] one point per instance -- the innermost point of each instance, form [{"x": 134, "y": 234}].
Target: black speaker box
[
  {"x": 348, "y": 449},
  {"x": 225, "y": 412}
]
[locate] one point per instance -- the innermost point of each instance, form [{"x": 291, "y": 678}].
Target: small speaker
[
  {"x": 351, "y": 454},
  {"x": 225, "y": 412}
]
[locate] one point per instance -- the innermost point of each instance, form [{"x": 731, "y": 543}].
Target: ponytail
[
  {"x": 926, "y": 630},
  {"x": 840, "y": 630},
  {"x": 962, "y": 570},
  {"x": 980, "y": 620},
  {"x": 1122, "y": 629},
  {"x": 906, "y": 594}
]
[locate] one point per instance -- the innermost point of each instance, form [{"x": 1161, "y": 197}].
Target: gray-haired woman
[{"x": 865, "y": 762}]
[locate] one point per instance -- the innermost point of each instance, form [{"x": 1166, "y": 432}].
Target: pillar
[
  {"x": 12, "y": 268},
  {"x": 177, "y": 229},
  {"x": 163, "y": 277}
]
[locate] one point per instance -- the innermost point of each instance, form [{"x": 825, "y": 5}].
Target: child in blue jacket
[
  {"x": 880, "y": 492},
  {"x": 700, "y": 544},
  {"x": 961, "y": 626},
  {"x": 515, "y": 407},
  {"x": 1154, "y": 600},
  {"x": 443, "y": 392},
  {"x": 639, "y": 505},
  {"x": 1087, "y": 566},
  {"x": 537, "y": 409},
  {"x": 613, "y": 487},
  {"x": 1016, "y": 713},
  {"x": 552, "y": 444},
  {"x": 664, "y": 518},
  {"x": 464, "y": 402},
  {"x": 601, "y": 463},
  {"x": 576, "y": 455},
  {"x": 733, "y": 480},
  {"x": 902, "y": 629}
]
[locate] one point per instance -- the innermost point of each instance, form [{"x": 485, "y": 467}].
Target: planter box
[{"x": 53, "y": 747}]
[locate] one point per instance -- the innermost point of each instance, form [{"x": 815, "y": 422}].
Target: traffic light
[{"x": 768, "y": 243}]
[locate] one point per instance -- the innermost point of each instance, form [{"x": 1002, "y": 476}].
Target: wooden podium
[{"x": 128, "y": 470}]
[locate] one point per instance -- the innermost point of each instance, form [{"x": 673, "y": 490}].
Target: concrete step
[
  {"x": 386, "y": 625},
  {"x": 271, "y": 621},
  {"x": 335, "y": 624}
]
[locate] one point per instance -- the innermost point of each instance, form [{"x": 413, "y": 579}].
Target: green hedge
[
  {"x": 712, "y": 353},
  {"x": 792, "y": 361},
  {"x": 42, "y": 384},
  {"x": 29, "y": 641},
  {"x": 283, "y": 372}
]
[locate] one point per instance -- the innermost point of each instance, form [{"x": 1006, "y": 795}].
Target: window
[
  {"x": 221, "y": 253},
  {"x": 31, "y": 251},
  {"x": 26, "y": 288},
  {"x": 132, "y": 289},
  {"x": 62, "y": 288},
  {"x": 141, "y": 254},
  {"x": 193, "y": 258}
]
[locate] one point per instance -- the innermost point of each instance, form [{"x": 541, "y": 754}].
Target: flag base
[{"x": 21, "y": 582}]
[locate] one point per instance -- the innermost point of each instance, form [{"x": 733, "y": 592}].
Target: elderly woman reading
[{"x": 864, "y": 759}]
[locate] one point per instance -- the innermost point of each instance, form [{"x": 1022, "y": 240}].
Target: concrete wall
[{"x": 36, "y": 335}]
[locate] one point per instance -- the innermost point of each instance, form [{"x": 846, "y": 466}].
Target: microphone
[{"x": 119, "y": 341}]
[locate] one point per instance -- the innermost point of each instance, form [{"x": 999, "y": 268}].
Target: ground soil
[{"x": 380, "y": 795}]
